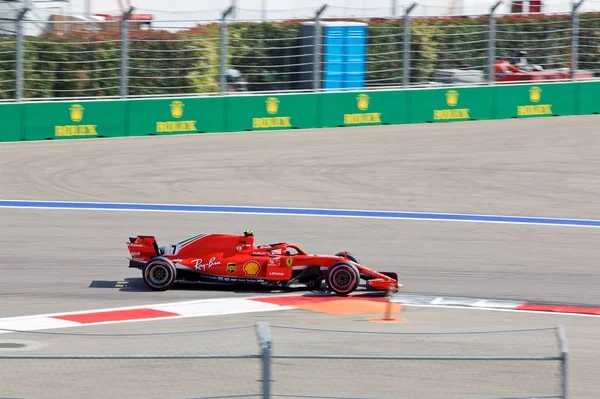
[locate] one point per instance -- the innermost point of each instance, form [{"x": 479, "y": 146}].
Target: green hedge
[{"x": 161, "y": 62}]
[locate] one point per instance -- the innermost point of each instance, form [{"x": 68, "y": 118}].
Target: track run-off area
[{"x": 497, "y": 211}]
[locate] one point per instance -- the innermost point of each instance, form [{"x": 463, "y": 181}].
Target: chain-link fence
[
  {"x": 285, "y": 362},
  {"x": 121, "y": 56}
]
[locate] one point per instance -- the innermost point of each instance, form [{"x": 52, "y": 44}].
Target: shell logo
[
  {"x": 76, "y": 112},
  {"x": 535, "y": 94},
  {"x": 251, "y": 268},
  {"x": 362, "y": 101},
  {"x": 452, "y": 98},
  {"x": 177, "y": 109},
  {"x": 272, "y": 105}
]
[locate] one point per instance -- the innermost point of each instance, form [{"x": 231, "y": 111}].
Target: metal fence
[
  {"x": 122, "y": 58},
  {"x": 290, "y": 362}
]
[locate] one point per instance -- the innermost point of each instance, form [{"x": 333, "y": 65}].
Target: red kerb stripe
[
  {"x": 308, "y": 299},
  {"x": 559, "y": 308},
  {"x": 116, "y": 315}
]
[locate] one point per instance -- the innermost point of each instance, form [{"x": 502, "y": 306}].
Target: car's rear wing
[{"x": 142, "y": 248}]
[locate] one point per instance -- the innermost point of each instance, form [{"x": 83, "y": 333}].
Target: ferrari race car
[{"x": 234, "y": 259}]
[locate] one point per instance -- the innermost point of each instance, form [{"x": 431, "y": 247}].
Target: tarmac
[{"x": 68, "y": 260}]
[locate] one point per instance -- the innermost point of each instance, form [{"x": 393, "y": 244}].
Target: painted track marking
[
  {"x": 282, "y": 211},
  {"x": 279, "y": 302}
]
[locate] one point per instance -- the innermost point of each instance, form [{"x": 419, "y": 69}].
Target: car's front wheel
[
  {"x": 343, "y": 278},
  {"x": 159, "y": 274}
]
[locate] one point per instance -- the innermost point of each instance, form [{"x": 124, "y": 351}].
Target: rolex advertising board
[
  {"x": 176, "y": 116},
  {"x": 66, "y": 120},
  {"x": 363, "y": 108},
  {"x": 12, "y": 122},
  {"x": 287, "y": 111},
  {"x": 526, "y": 101},
  {"x": 449, "y": 105},
  {"x": 588, "y": 98}
]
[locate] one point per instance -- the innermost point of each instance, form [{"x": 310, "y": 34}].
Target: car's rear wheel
[
  {"x": 343, "y": 278},
  {"x": 159, "y": 274}
]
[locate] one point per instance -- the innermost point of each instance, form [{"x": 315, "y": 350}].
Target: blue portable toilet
[{"x": 343, "y": 55}]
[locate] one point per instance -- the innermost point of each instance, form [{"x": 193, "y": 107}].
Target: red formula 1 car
[{"x": 234, "y": 259}]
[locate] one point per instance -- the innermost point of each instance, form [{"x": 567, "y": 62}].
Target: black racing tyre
[
  {"x": 343, "y": 278},
  {"x": 159, "y": 274},
  {"x": 350, "y": 256}
]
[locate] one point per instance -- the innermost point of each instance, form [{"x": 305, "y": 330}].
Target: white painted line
[
  {"x": 221, "y": 306},
  {"x": 34, "y": 324},
  {"x": 498, "y": 310}
]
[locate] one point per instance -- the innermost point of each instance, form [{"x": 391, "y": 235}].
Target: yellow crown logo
[
  {"x": 76, "y": 112},
  {"x": 535, "y": 94},
  {"x": 362, "y": 101},
  {"x": 251, "y": 267},
  {"x": 452, "y": 98},
  {"x": 177, "y": 109},
  {"x": 272, "y": 105}
]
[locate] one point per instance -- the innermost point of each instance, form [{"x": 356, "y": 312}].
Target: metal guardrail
[
  {"x": 377, "y": 364},
  {"x": 87, "y": 59}
]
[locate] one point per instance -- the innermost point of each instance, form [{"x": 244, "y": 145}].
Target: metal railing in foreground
[
  {"x": 290, "y": 362},
  {"x": 81, "y": 59}
]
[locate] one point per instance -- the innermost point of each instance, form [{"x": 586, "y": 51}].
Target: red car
[{"x": 234, "y": 259}]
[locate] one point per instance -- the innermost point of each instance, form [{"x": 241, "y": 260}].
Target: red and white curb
[
  {"x": 175, "y": 310},
  {"x": 492, "y": 304},
  {"x": 232, "y": 306}
]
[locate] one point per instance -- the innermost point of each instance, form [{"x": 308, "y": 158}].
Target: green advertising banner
[
  {"x": 449, "y": 105},
  {"x": 176, "y": 116},
  {"x": 363, "y": 109},
  {"x": 285, "y": 111},
  {"x": 84, "y": 119},
  {"x": 526, "y": 101},
  {"x": 588, "y": 98},
  {"x": 12, "y": 122}
]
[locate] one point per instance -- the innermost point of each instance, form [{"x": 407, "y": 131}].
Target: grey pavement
[
  {"x": 544, "y": 167},
  {"x": 55, "y": 261},
  {"x": 313, "y": 378}
]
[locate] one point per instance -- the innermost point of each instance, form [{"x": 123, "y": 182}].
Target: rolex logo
[
  {"x": 362, "y": 101},
  {"x": 451, "y": 98},
  {"x": 535, "y": 94},
  {"x": 272, "y": 105},
  {"x": 76, "y": 112},
  {"x": 177, "y": 109}
]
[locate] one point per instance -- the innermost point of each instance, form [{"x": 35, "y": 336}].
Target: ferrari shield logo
[
  {"x": 231, "y": 268},
  {"x": 289, "y": 261},
  {"x": 251, "y": 268}
]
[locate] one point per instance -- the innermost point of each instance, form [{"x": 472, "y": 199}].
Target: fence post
[
  {"x": 20, "y": 69},
  {"x": 234, "y": 5},
  {"x": 265, "y": 341},
  {"x": 575, "y": 46},
  {"x": 317, "y": 49},
  {"x": 406, "y": 53},
  {"x": 560, "y": 334},
  {"x": 492, "y": 43},
  {"x": 393, "y": 7},
  {"x": 223, "y": 63},
  {"x": 125, "y": 52}
]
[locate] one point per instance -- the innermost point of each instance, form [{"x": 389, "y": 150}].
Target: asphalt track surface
[{"x": 53, "y": 261}]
